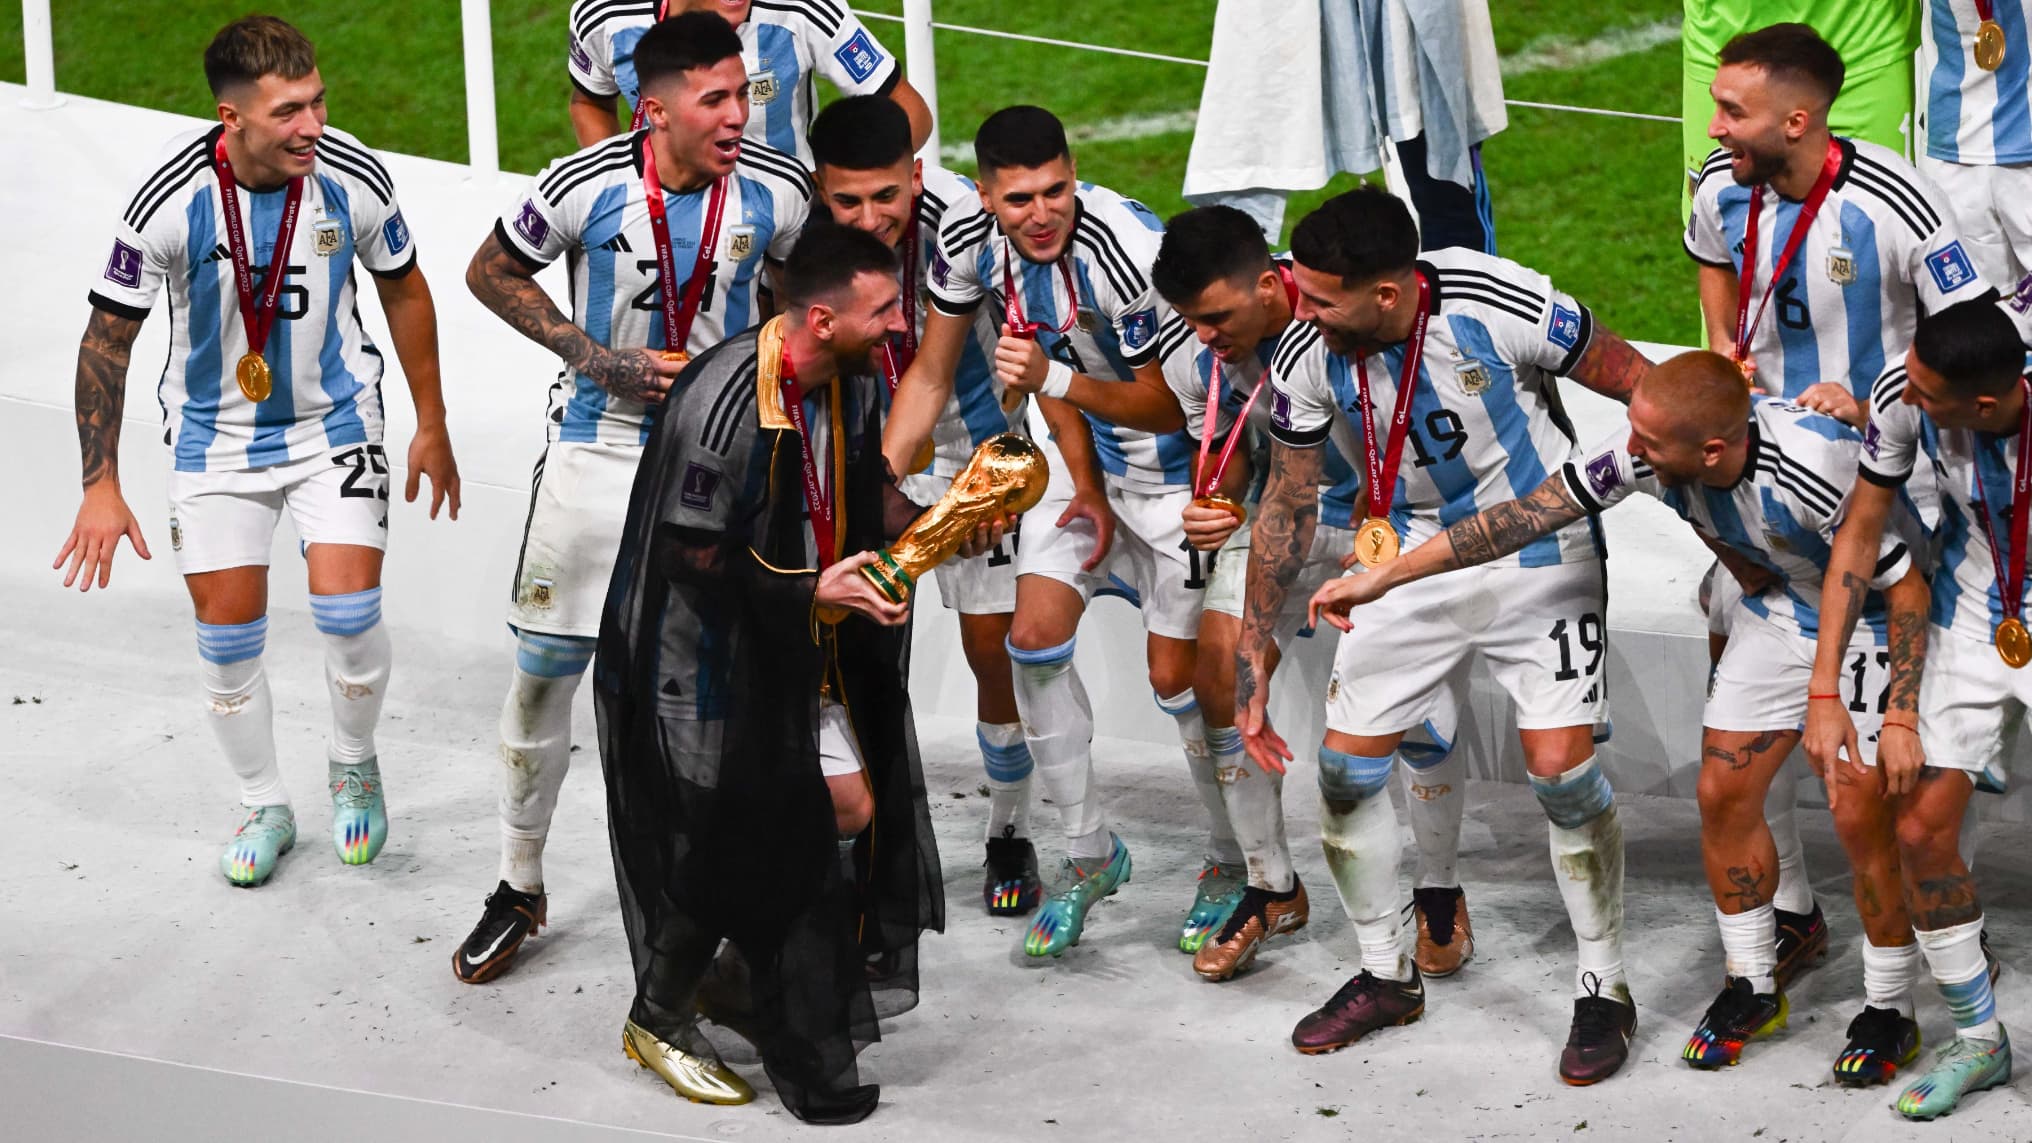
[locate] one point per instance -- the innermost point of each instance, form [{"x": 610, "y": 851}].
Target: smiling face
[
  {"x": 1351, "y": 318},
  {"x": 1232, "y": 316},
  {"x": 275, "y": 124},
  {"x": 1755, "y": 120},
  {"x": 1035, "y": 206},
  {"x": 879, "y": 201},
  {"x": 701, "y": 114},
  {"x": 856, "y": 320}
]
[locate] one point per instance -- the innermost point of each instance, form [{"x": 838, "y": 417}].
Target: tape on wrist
[{"x": 1057, "y": 380}]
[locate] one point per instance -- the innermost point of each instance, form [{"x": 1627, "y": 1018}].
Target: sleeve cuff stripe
[{"x": 118, "y": 308}]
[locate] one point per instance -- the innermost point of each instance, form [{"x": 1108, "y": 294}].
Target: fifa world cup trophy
[{"x": 1007, "y": 475}]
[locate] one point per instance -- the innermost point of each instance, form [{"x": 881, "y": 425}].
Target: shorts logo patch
[
  {"x": 175, "y": 534},
  {"x": 530, "y": 223},
  {"x": 124, "y": 267},
  {"x": 580, "y": 58},
  {"x": 1950, "y": 267},
  {"x": 539, "y": 591},
  {"x": 1604, "y": 475},
  {"x": 1564, "y": 329},
  {"x": 740, "y": 241},
  {"x": 326, "y": 236},
  {"x": 761, "y": 88},
  {"x": 698, "y": 486},
  {"x": 859, "y": 56},
  {"x": 1138, "y": 328},
  {"x": 395, "y": 234}
]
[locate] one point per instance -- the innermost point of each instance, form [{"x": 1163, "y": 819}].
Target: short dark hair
[
  {"x": 861, "y": 133},
  {"x": 1789, "y": 52},
  {"x": 1974, "y": 346},
  {"x": 1360, "y": 235},
  {"x": 1204, "y": 245},
  {"x": 682, "y": 43},
  {"x": 254, "y": 46},
  {"x": 827, "y": 259},
  {"x": 1019, "y": 136}
]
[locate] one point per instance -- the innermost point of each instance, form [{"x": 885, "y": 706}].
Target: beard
[{"x": 1759, "y": 168}]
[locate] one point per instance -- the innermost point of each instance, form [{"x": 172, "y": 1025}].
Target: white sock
[
  {"x": 1199, "y": 761},
  {"x": 1795, "y": 888},
  {"x": 1750, "y": 947},
  {"x": 1955, "y": 957},
  {"x": 536, "y": 748},
  {"x": 1058, "y": 726},
  {"x": 1358, "y": 834},
  {"x": 1007, "y": 762},
  {"x": 1889, "y": 973},
  {"x": 357, "y": 661},
  {"x": 1255, "y": 801},
  {"x": 1435, "y": 795},
  {"x": 1587, "y": 863},
  {"x": 238, "y": 707}
]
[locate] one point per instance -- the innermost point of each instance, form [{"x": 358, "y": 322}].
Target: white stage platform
[{"x": 122, "y": 939}]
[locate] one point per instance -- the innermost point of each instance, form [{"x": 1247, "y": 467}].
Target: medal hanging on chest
[
  {"x": 1746, "y": 322},
  {"x": 257, "y": 314},
  {"x": 1376, "y": 540},
  {"x": 679, "y": 310},
  {"x": 1989, "y": 45},
  {"x": 2014, "y": 642}
]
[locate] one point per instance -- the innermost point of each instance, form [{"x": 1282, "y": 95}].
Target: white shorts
[
  {"x": 1540, "y": 629},
  {"x": 1993, "y": 210},
  {"x": 578, "y": 503},
  {"x": 1970, "y": 704},
  {"x": 221, "y": 520},
  {"x": 1724, "y": 595},
  {"x": 1761, "y": 681},
  {"x": 838, "y": 753},
  {"x": 1227, "y": 585},
  {"x": 982, "y": 585},
  {"x": 1150, "y": 564}
]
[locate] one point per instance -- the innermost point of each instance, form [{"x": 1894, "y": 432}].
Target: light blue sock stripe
[
  {"x": 350, "y": 614},
  {"x": 1574, "y": 799},
  {"x": 1352, "y": 777},
  {"x": 232, "y": 642},
  {"x": 1005, "y": 763},
  {"x": 1185, "y": 703},
  {"x": 1224, "y": 739},
  {"x": 552, "y": 656},
  {"x": 1972, "y": 1001},
  {"x": 1045, "y": 657}
]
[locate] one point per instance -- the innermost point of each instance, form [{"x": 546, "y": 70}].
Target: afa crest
[
  {"x": 326, "y": 237},
  {"x": 761, "y": 88},
  {"x": 740, "y": 241}
]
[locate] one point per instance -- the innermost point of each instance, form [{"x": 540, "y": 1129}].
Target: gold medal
[
  {"x": 1224, "y": 504},
  {"x": 255, "y": 380},
  {"x": 921, "y": 460},
  {"x": 677, "y": 355},
  {"x": 2014, "y": 643},
  {"x": 1989, "y": 51},
  {"x": 1375, "y": 542}
]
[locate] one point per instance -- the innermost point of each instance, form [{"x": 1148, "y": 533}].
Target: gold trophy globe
[{"x": 1006, "y": 476}]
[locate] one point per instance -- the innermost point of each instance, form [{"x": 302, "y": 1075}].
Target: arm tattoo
[
  {"x": 1496, "y": 532},
  {"x": 1279, "y": 541},
  {"x": 504, "y": 284},
  {"x": 102, "y": 392},
  {"x": 1908, "y": 658},
  {"x": 1853, "y": 590},
  {"x": 1610, "y": 366}
]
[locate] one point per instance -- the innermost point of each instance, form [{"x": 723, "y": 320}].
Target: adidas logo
[
  {"x": 219, "y": 254},
  {"x": 618, "y": 244}
]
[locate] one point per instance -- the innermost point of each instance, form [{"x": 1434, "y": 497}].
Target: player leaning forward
[
  {"x": 1765, "y": 478},
  {"x": 666, "y": 231},
  {"x": 272, "y": 397},
  {"x": 1456, "y": 355},
  {"x": 1958, "y": 406}
]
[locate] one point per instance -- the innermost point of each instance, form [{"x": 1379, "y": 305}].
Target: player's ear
[
  {"x": 916, "y": 178},
  {"x": 654, "y": 112},
  {"x": 820, "y": 319}
]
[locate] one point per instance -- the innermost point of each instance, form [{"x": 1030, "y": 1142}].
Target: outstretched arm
[{"x": 1286, "y": 517}]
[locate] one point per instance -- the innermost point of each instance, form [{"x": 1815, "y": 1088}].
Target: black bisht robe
[{"x": 707, "y": 680}]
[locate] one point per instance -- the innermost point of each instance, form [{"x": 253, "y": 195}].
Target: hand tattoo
[{"x": 102, "y": 392}]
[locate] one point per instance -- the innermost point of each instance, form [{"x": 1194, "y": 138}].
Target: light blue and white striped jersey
[
  {"x": 784, "y": 43},
  {"x": 1974, "y": 471},
  {"x": 1883, "y": 249},
  {"x": 974, "y": 412},
  {"x": 1780, "y": 514},
  {"x": 1974, "y": 116},
  {"x": 1486, "y": 422},
  {"x": 327, "y": 373},
  {"x": 1114, "y": 312},
  {"x": 1189, "y": 369},
  {"x": 591, "y": 207}
]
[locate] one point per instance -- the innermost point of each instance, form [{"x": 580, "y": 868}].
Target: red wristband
[
  {"x": 1816, "y": 698},
  {"x": 1911, "y": 726}
]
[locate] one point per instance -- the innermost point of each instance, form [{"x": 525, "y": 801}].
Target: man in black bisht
[{"x": 752, "y": 705}]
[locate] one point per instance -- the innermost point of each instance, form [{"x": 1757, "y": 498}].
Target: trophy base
[{"x": 889, "y": 578}]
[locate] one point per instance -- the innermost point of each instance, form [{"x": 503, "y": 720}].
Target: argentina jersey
[
  {"x": 1975, "y": 116},
  {"x": 784, "y": 43},
  {"x": 975, "y": 411},
  {"x": 327, "y": 373},
  {"x": 1189, "y": 368},
  {"x": 1882, "y": 250},
  {"x": 591, "y": 207},
  {"x": 1974, "y": 472},
  {"x": 1780, "y": 514},
  {"x": 1109, "y": 318},
  {"x": 1486, "y": 422}
]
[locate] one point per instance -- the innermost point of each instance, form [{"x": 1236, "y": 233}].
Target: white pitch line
[{"x": 1547, "y": 53}]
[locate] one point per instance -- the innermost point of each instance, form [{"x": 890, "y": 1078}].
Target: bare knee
[
  {"x": 1726, "y": 798},
  {"x": 853, "y": 805}
]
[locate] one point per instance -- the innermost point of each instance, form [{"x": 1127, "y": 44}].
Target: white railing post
[
  {"x": 921, "y": 65},
  {"x": 483, "y": 150},
  {"x": 37, "y": 46}
]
